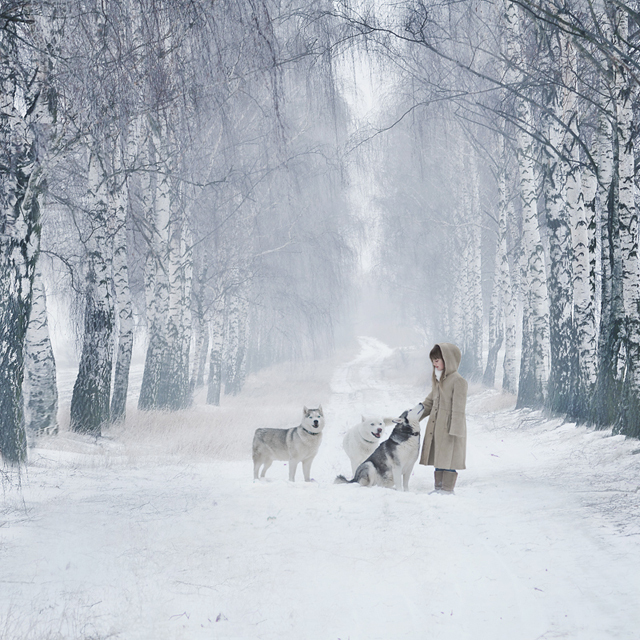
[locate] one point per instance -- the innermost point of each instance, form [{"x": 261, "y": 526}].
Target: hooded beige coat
[{"x": 445, "y": 439}]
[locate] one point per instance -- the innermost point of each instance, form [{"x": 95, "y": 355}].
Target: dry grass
[{"x": 273, "y": 398}]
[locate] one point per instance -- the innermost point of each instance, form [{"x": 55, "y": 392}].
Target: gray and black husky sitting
[
  {"x": 298, "y": 444},
  {"x": 391, "y": 464}
]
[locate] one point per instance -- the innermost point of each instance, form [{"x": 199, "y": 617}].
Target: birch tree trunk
[
  {"x": 455, "y": 305},
  {"x": 238, "y": 342},
  {"x": 458, "y": 320},
  {"x": 562, "y": 346},
  {"x": 232, "y": 343},
  {"x": 200, "y": 329},
  {"x": 535, "y": 337},
  {"x": 200, "y": 357},
  {"x": 590, "y": 191},
  {"x": 628, "y": 421},
  {"x": 499, "y": 293},
  {"x": 124, "y": 306},
  {"x": 19, "y": 248},
  {"x": 474, "y": 279},
  {"x": 581, "y": 203},
  {"x": 175, "y": 389},
  {"x": 512, "y": 288},
  {"x": 165, "y": 383},
  {"x": 468, "y": 299},
  {"x": 92, "y": 389},
  {"x": 510, "y": 265},
  {"x": 604, "y": 409},
  {"x": 607, "y": 396},
  {"x": 24, "y": 117},
  {"x": 214, "y": 385},
  {"x": 156, "y": 279},
  {"x": 496, "y": 334},
  {"x": 200, "y": 347},
  {"x": 41, "y": 390},
  {"x": 509, "y": 376}
]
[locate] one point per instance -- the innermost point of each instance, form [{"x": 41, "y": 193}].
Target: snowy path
[{"x": 527, "y": 548}]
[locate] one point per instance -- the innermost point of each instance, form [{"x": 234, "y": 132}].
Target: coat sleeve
[
  {"x": 458, "y": 409},
  {"x": 428, "y": 403}
]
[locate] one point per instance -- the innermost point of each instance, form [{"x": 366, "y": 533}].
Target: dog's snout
[{"x": 315, "y": 423}]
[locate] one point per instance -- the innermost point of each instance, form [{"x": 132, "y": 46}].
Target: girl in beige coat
[{"x": 445, "y": 439}]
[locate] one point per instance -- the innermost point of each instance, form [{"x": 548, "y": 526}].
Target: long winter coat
[{"x": 445, "y": 439}]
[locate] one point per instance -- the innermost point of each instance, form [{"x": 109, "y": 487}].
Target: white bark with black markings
[
  {"x": 24, "y": 122},
  {"x": 40, "y": 388},
  {"x": 214, "y": 384},
  {"x": 535, "y": 335},
  {"x": 92, "y": 388},
  {"x": 625, "y": 90},
  {"x": 156, "y": 279},
  {"x": 563, "y": 363}
]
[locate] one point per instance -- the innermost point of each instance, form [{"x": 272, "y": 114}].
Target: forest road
[
  {"x": 517, "y": 552},
  {"x": 159, "y": 547}
]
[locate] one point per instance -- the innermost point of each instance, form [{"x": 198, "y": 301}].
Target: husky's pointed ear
[
  {"x": 388, "y": 421},
  {"x": 397, "y": 421},
  {"x": 320, "y": 409},
  {"x": 305, "y": 411}
]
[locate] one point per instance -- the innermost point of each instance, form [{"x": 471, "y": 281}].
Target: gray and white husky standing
[
  {"x": 298, "y": 444},
  {"x": 391, "y": 464}
]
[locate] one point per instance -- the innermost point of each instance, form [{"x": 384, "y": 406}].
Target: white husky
[
  {"x": 390, "y": 465},
  {"x": 363, "y": 438}
]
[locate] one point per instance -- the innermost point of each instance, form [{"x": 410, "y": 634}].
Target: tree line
[
  {"x": 181, "y": 166},
  {"x": 174, "y": 165},
  {"x": 507, "y": 190}
]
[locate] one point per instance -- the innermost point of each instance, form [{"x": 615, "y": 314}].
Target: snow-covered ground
[{"x": 158, "y": 531}]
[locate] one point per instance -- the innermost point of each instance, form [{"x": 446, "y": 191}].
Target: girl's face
[{"x": 438, "y": 363}]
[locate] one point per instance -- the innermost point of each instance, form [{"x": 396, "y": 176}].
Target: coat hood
[{"x": 451, "y": 355}]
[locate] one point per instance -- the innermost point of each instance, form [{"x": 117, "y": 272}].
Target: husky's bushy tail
[{"x": 361, "y": 476}]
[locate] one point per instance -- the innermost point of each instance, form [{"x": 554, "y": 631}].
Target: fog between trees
[{"x": 204, "y": 174}]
